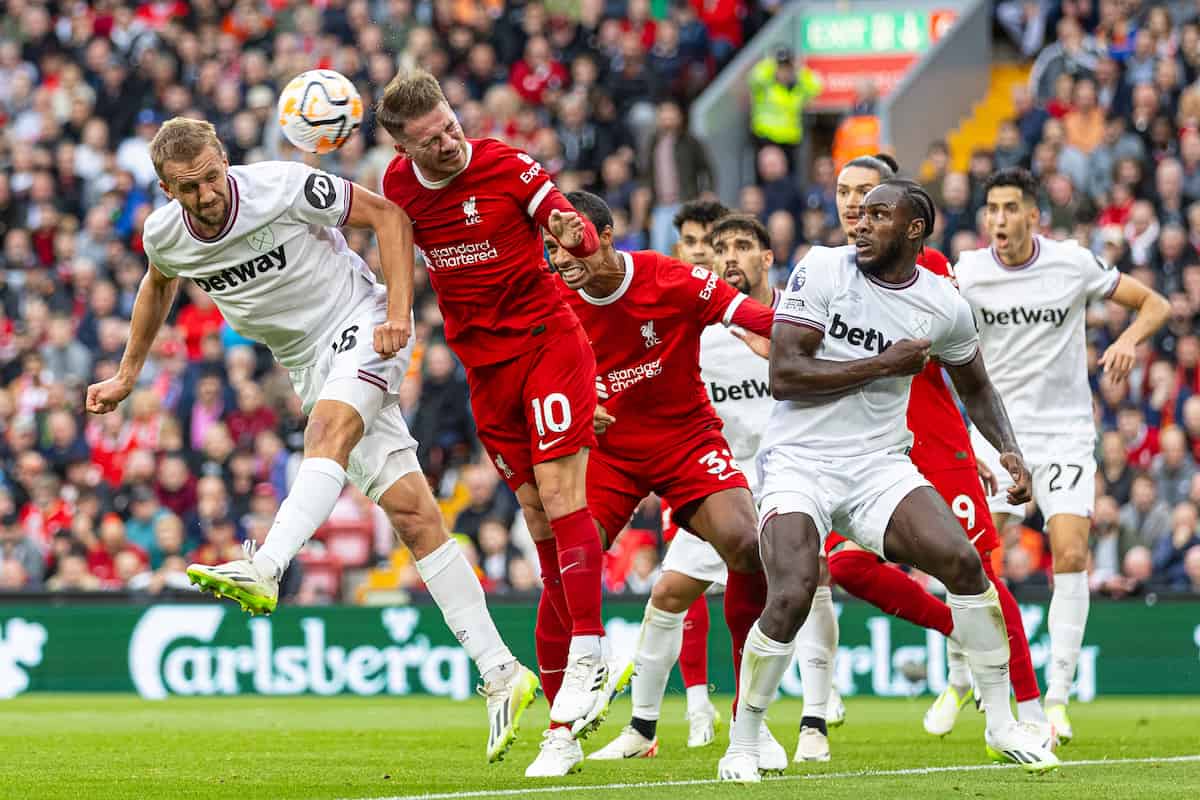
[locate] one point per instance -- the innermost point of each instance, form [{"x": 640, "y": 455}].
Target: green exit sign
[{"x": 863, "y": 33}]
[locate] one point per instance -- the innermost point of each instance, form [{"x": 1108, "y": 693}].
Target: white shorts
[
  {"x": 351, "y": 371},
  {"x": 856, "y": 496},
  {"x": 1063, "y": 469},
  {"x": 690, "y": 555}
]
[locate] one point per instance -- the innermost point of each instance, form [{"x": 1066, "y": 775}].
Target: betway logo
[
  {"x": 746, "y": 390},
  {"x": 461, "y": 255},
  {"x": 244, "y": 272},
  {"x": 859, "y": 337},
  {"x": 1019, "y": 315},
  {"x": 171, "y": 651}
]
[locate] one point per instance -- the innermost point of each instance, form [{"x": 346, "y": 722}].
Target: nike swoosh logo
[
  {"x": 976, "y": 537},
  {"x": 572, "y": 565},
  {"x": 547, "y": 445}
]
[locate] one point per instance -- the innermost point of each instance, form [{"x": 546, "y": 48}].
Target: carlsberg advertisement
[{"x": 214, "y": 649}]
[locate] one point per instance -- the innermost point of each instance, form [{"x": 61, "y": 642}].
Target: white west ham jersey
[
  {"x": 737, "y": 382},
  {"x": 279, "y": 271},
  {"x": 1031, "y": 331},
  {"x": 862, "y": 316}
]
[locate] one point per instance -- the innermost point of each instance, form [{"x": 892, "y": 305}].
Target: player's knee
[
  {"x": 667, "y": 596},
  {"x": 786, "y": 608},
  {"x": 333, "y": 435},
  {"x": 743, "y": 555},
  {"x": 964, "y": 571},
  {"x": 1070, "y": 557}
]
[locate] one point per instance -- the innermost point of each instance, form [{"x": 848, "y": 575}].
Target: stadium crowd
[{"x": 201, "y": 455}]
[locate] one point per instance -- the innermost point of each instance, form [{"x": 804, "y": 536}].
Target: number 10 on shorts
[{"x": 553, "y": 413}]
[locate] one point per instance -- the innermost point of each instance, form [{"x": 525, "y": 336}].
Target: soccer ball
[{"x": 319, "y": 110}]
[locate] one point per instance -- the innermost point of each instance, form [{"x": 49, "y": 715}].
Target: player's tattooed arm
[
  {"x": 155, "y": 296},
  {"x": 394, "y": 232},
  {"x": 797, "y": 374},
  {"x": 987, "y": 413}
]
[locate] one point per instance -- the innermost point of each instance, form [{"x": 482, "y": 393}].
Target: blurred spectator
[
  {"x": 487, "y": 499},
  {"x": 496, "y": 551},
  {"x": 1170, "y": 552},
  {"x": 779, "y": 93},
  {"x": 1174, "y": 468},
  {"x": 1114, "y": 467},
  {"x": 1146, "y": 516},
  {"x": 19, "y": 549},
  {"x": 677, "y": 169},
  {"x": 1110, "y": 541},
  {"x": 1137, "y": 570},
  {"x": 1073, "y": 53},
  {"x": 102, "y": 559},
  {"x": 220, "y": 543},
  {"x": 643, "y": 571}
]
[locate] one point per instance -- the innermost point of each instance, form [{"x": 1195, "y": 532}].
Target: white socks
[
  {"x": 456, "y": 590},
  {"x": 588, "y": 645},
  {"x": 958, "y": 670},
  {"x": 318, "y": 484},
  {"x": 658, "y": 648},
  {"x": 1067, "y": 619},
  {"x": 816, "y": 645},
  {"x": 1031, "y": 710},
  {"x": 697, "y": 698},
  {"x": 979, "y": 625},
  {"x": 764, "y": 661}
]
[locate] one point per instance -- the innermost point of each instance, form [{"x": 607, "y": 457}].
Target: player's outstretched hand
[
  {"x": 1118, "y": 360},
  {"x": 105, "y": 396},
  {"x": 987, "y": 478},
  {"x": 761, "y": 345},
  {"x": 392, "y": 336},
  {"x": 602, "y": 419},
  {"x": 567, "y": 227},
  {"x": 1021, "y": 491},
  {"x": 906, "y": 357}
]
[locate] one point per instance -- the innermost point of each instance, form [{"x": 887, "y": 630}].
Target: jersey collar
[
  {"x": 620, "y": 292},
  {"x": 229, "y": 219},
  {"x": 1037, "y": 250},
  {"x": 444, "y": 182}
]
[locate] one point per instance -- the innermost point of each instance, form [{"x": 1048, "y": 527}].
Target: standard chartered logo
[{"x": 174, "y": 650}]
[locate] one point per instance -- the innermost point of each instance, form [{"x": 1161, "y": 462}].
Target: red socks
[
  {"x": 580, "y": 559},
  {"x": 552, "y": 640},
  {"x": 693, "y": 658},
  {"x": 1020, "y": 662},
  {"x": 889, "y": 589},
  {"x": 745, "y": 596}
]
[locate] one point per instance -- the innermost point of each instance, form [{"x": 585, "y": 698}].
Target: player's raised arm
[
  {"x": 797, "y": 374},
  {"x": 573, "y": 230},
  {"x": 155, "y": 296},
  {"x": 394, "y": 232},
  {"x": 987, "y": 413},
  {"x": 1152, "y": 311}
]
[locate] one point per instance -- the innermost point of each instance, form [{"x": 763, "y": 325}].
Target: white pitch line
[{"x": 866, "y": 773}]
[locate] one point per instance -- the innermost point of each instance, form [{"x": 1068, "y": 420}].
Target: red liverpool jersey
[
  {"x": 940, "y": 438},
  {"x": 484, "y": 250},
  {"x": 646, "y": 336}
]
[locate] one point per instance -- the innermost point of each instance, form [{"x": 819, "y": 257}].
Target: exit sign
[{"x": 873, "y": 33}]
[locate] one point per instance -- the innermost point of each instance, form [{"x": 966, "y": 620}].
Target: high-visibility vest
[
  {"x": 775, "y": 109},
  {"x": 856, "y": 136}
]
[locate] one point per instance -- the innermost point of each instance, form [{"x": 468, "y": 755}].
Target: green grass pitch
[{"x": 115, "y": 747}]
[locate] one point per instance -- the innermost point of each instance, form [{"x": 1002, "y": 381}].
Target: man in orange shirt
[{"x": 1084, "y": 123}]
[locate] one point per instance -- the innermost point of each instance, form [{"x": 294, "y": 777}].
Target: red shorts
[
  {"x": 615, "y": 486},
  {"x": 963, "y": 492},
  {"x": 536, "y": 407}
]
